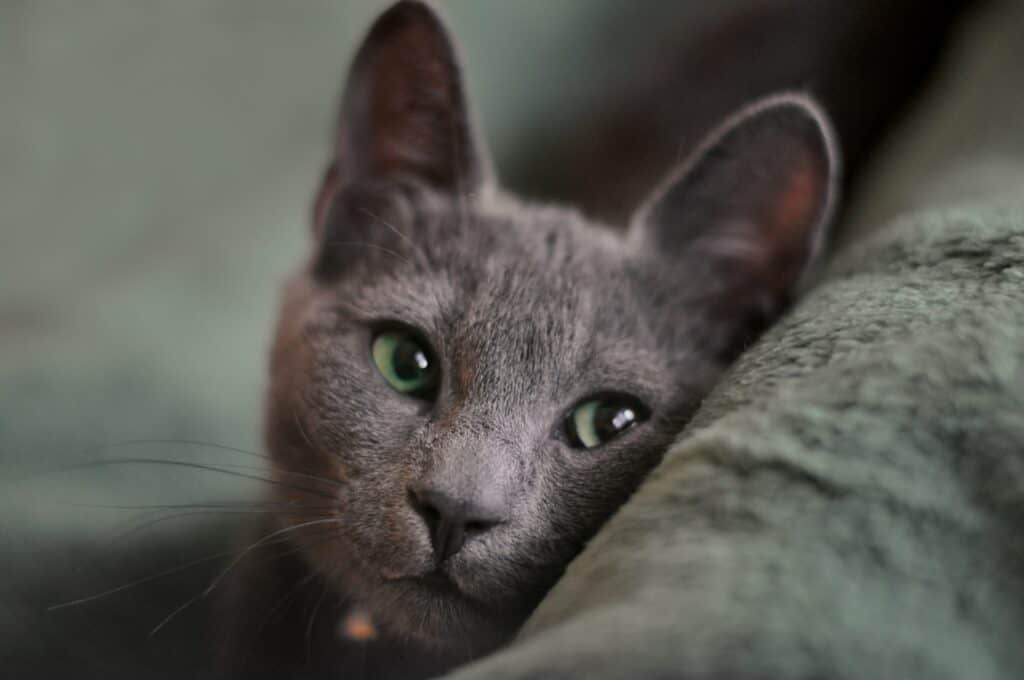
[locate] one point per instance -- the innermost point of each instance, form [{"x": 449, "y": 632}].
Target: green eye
[
  {"x": 405, "y": 363},
  {"x": 597, "y": 421}
]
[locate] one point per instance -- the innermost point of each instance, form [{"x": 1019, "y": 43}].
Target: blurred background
[
  {"x": 156, "y": 165},
  {"x": 157, "y": 160}
]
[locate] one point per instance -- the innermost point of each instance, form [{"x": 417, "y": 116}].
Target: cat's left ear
[
  {"x": 404, "y": 112},
  {"x": 748, "y": 211}
]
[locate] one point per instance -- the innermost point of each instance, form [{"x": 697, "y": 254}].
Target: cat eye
[
  {"x": 597, "y": 421},
  {"x": 405, "y": 362}
]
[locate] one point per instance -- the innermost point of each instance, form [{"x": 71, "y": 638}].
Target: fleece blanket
[{"x": 849, "y": 502}]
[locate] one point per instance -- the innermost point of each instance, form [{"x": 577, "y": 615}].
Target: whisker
[
  {"x": 148, "y": 524},
  {"x": 180, "y": 506},
  {"x": 140, "y": 581},
  {"x": 146, "y": 579},
  {"x": 187, "y": 442},
  {"x": 220, "y": 577},
  {"x": 276, "y": 470},
  {"x": 315, "y": 447},
  {"x": 222, "y": 447},
  {"x": 330, "y": 534},
  {"x": 286, "y": 597},
  {"x": 416, "y": 249},
  {"x": 211, "y": 468},
  {"x": 312, "y": 620},
  {"x": 371, "y": 245},
  {"x": 305, "y": 435}
]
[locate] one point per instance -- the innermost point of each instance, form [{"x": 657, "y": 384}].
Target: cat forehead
[
  {"x": 524, "y": 297},
  {"x": 538, "y": 237},
  {"x": 503, "y": 262},
  {"x": 539, "y": 278}
]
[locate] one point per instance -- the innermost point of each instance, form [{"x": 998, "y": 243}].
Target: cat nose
[{"x": 451, "y": 520}]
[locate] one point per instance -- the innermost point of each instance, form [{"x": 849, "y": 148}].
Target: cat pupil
[
  {"x": 410, "y": 361},
  {"x": 623, "y": 419},
  {"x": 613, "y": 419}
]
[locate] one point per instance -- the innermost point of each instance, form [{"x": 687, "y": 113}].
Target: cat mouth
[
  {"x": 439, "y": 581},
  {"x": 435, "y": 581},
  {"x": 434, "y": 608},
  {"x": 438, "y": 586},
  {"x": 444, "y": 612}
]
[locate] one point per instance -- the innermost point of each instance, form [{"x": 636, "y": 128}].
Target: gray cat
[{"x": 465, "y": 386}]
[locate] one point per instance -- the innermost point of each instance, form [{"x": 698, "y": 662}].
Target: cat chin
[
  {"x": 452, "y": 614},
  {"x": 427, "y": 610},
  {"x": 433, "y": 613}
]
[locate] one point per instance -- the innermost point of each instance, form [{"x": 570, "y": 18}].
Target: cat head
[{"x": 471, "y": 384}]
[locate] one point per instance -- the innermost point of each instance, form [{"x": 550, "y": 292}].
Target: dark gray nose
[{"x": 451, "y": 520}]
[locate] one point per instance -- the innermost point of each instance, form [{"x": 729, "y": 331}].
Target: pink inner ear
[
  {"x": 777, "y": 233},
  {"x": 792, "y": 213},
  {"x": 769, "y": 249},
  {"x": 794, "y": 209}
]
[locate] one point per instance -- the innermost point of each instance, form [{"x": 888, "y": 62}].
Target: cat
[{"x": 464, "y": 386}]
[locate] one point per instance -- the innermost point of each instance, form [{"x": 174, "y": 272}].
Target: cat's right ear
[
  {"x": 745, "y": 216},
  {"x": 404, "y": 113}
]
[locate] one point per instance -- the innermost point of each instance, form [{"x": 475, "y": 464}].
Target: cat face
[{"x": 467, "y": 385}]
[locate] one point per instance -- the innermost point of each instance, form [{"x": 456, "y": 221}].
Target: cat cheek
[{"x": 387, "y": 535}]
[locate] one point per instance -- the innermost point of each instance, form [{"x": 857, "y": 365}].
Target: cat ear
[
  {"x": 748, "y": 210},
  {"x": 404, "y": 111}
]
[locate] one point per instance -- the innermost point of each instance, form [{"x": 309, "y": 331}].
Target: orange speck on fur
[{"x": 358, "y": 626}]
